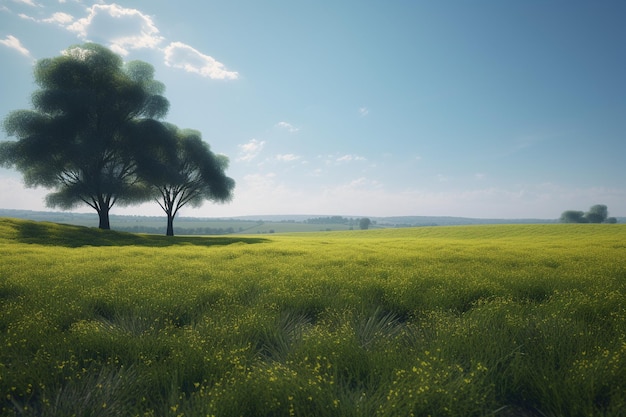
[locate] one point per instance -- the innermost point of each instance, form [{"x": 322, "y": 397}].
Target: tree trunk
[
  {"x": 103, "y": 214},
  {"x": 170, "y": 225}
]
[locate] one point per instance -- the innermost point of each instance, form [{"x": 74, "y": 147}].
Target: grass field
[{"x": 515, "y": 320}]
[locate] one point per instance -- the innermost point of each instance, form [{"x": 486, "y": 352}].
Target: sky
[{"x": 485, "y": 108}]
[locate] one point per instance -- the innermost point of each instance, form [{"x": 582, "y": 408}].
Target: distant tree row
[
  {"x": 330, "y": 220},
  {"x": 95, "y": 138},
  {"x": 596, "y": 214},
  {"x": 362, "y": 223}
]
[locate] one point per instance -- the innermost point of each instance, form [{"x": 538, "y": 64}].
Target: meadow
[{"x": 509, "y": 320}]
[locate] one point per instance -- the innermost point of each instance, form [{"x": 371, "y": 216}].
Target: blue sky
[{"x": 493, "y": 109}]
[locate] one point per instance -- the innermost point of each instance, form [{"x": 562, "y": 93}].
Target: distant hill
[
  {"x": 257, "y": 224},
  {"x": 400, "y": 221}
]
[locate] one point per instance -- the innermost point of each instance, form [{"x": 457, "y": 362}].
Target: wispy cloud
[
  {"x": 183, "y": 56},
  {"x": 27, "y": 17},
  {"x": 362, "y": 182},
  {"x": 287, "y": 126},
  {"x": 349, "y": 158},
  {"x": 364, "y": 111},
  {"x": 480, "y": 176},
  {"x": 250, "y": 150},
  {"x": 288, "y": 157},
  {"x": 340, "y": 159},
  {"x": 15, "y": 44},
  {"x": 60, "y": 18},
  {"x": 27, "y": 2}
]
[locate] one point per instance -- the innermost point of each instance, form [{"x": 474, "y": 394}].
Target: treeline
[
  {"x": 335, "y": 220},
  {"x": 596, "y": 214}
]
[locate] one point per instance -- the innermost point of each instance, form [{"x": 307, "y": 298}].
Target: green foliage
[
  {"x": 596, "y": 214},
  {"x": 573, "y": 216},
  {"x": 92, "y": 129},
  {"x": 188, "y": 176},
  {"x": 447, "y": 321}
]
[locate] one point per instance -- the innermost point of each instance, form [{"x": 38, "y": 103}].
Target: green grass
[{"x": 445, "y": 321}]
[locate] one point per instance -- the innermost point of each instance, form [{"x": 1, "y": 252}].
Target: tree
[
  {"x": 364, "y": 223},
  {"x": 573, "y": 216},
  {"x": 194, "y": 175},
  {"x": 597, "y": 214},
  {"x": 93, "y": 125}
]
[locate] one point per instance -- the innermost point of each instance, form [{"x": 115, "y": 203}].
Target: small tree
[
  {"x": 92, "y": 126},
  {"x": 190, "y": 176},
  {"x": 364, "y": 223},
  {"x": 597, "y": 214},
  {"x": 573, "y": 216}
]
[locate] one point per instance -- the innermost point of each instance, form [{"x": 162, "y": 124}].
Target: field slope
[{"x": 509, "y": 320}]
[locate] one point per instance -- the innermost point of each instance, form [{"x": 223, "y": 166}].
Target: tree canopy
[
  {"x": 193, "y": 175},
  {"x": 597, "y": 214},
  {"x": 573, "y": 216},
  {"x": 93, "y": 126}
]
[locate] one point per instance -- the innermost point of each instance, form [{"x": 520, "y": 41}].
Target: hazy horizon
[{"x": 287, "y": 216}]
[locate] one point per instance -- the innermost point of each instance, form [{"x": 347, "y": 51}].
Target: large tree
[
  {"x": 194, "y": 175},
  {"x": 93, "y": 125}
]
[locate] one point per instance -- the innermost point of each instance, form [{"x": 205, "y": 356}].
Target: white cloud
[
  {"x": 14, "y": 43},
  {"x": 123, "y": 28},
  {"x": 26, "y": 17},
  {"x": 60, "y": 18},
  {"x": 350, "y": 158},
  {"x": 27, "y": 2},
  {"x": 183, "y": 56},
  {"x": 287, "y": 126},
  {"x": 362, "y": 183},
  {"x": 249, "y": 151},
  {"x": 289, "y": 157},
  {"x": 363, "y": 111}
]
